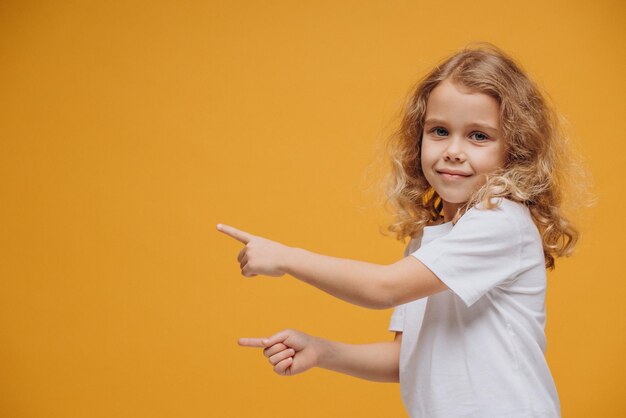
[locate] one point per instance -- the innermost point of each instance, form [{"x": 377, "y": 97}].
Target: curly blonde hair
[{"x": 535, "y": 170}]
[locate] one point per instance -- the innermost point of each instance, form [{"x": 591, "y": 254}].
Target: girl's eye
[
  {"x": 439, "y": 131},
  {"x": 479, "y": 136}
]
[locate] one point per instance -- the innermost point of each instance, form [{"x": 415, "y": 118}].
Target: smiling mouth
[{"x": 453, "y": 175}]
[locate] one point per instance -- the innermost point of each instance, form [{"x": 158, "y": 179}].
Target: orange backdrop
[{"x": 129, "y": 129}]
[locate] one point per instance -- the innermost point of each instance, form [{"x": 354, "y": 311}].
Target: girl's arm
[
  {"x": 365, "y": 284},
  {"x": 292, "y": 352},
  {"x": 378, "y": 362},
  {"x": 370, "y": 285}
]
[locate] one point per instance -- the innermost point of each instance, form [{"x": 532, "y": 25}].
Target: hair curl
[{"x": 536, "y": 166}]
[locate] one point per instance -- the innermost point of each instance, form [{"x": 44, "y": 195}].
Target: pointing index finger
[
  {"x": 240, "y": 236},
  {"x": 252, "y": 342}
]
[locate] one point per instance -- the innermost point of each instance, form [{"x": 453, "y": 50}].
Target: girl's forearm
[
  {"x": 357, "y": 282},
  {"x": 378, "y": 362}
]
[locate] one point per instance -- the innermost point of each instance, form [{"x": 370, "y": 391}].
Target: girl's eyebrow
[{"x": 483, "y": 125}]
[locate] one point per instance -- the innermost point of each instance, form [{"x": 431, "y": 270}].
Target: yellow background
[{"x": 129, "y": 129}]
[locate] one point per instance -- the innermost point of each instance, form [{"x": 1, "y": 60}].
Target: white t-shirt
[{"x": 477, "y": 350}]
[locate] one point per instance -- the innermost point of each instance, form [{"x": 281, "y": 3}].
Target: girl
[{"x": 476, "y": 181}]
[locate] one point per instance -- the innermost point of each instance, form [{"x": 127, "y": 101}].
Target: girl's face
[{"x": 461, "y": 144}]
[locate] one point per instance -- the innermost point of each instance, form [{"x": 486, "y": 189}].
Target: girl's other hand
[
  {"x": 289, "y": 351},
  {"x": 259, "y": 255}
]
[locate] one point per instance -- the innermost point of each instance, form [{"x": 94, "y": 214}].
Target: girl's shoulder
[
  {"x": 504, "y": 213},
  {"x": 501, "y": 207}
]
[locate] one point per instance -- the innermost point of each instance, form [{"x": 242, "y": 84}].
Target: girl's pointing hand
[
  {"x": 259, "y": 255},
  {"x": 289, "y": 351}
]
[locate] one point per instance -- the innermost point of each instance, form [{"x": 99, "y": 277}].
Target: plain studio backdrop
[{"x": 129, "y": 129}]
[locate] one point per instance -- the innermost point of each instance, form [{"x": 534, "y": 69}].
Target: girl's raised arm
[{"x": 365, "y": 284}]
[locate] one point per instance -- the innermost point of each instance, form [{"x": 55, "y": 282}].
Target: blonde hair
[{"x": 535, "y": 170}]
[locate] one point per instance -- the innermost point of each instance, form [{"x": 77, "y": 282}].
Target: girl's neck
[{"x": 449, "y": 210}]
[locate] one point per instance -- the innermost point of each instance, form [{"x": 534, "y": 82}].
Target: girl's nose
[
  {"x": 449, "y": 156},
  {"x": 454, "y": 152}
]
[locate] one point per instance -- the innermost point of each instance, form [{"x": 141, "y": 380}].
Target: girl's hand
[
  {"x": 289, "y": 351},
  {"x": 260, "y": 255}
]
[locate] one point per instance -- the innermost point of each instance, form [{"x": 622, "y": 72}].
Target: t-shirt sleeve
[{"x": 482, "y": 251}]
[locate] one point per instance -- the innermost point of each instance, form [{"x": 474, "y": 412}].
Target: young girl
[{"x": 476, "y": 180}]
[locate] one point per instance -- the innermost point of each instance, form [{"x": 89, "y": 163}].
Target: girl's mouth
[{"x": 453, "y": 176}]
